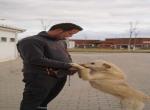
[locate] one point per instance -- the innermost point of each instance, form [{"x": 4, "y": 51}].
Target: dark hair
[{"x": 66, "y": 26}]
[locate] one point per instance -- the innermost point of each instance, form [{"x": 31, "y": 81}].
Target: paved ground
[{"x": 78, "y": 96}]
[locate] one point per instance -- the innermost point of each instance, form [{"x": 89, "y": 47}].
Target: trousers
[{"x": 39, "y": 91}]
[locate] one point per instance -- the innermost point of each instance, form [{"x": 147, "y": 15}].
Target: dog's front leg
[
  {"x": 84, "y": 72},
  {"x": 88, "y": 74}
]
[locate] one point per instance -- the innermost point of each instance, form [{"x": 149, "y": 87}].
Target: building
[
  {"x": 74, "y": 43},
  {"x": 113, "y": 43},
  {"x": 8, "y": 39},
  {"x": 125, "y": 43},
  {"x": 71, "y": 44}
]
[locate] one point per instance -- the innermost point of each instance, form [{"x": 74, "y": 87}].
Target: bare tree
[
  {"x": 135, "y": 36},
  {"x": 133, "y": 27},
  {"x": 43, "y": 24}
]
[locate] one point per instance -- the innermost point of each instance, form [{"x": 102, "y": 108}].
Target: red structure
[
  {"x": 114, "y": 43},
  {"x": 123, "y": 43}
]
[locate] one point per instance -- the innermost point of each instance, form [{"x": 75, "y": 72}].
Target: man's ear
[{"x": 106, "y": 65}]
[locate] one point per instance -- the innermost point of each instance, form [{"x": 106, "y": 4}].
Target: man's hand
[
  {"x": 51, "y": 72},
  {"x": 72, "y": 71},
  {"x": 75, "y": 67}
]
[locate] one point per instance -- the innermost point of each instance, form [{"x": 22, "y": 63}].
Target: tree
[
  {"x": 133, "y": 27},
  {"x": 43, "y": 24}
]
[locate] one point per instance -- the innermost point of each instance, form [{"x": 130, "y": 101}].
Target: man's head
[{"x": 64, "y": 30}]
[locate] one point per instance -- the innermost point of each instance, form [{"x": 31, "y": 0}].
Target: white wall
[
  {"x": 71, "y": 44},
  {"x": 7, "y": 49}
]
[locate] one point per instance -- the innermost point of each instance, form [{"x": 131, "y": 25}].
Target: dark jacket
[{"x": 41, "y": 51}]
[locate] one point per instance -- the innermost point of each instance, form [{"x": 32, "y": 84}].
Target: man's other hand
[{"x": 72, "y": 70}]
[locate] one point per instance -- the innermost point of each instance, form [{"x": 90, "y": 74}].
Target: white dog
[{"x": 108, "y": 78}]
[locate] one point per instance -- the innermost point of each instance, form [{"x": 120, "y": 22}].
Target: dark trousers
[{"x": 40, "y": 91}]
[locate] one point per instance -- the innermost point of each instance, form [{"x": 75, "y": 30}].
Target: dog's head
[
  {"x": 98, "y": 66},
  {"x": 104, "y": 67}
]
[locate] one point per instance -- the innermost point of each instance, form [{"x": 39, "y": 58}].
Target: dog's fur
[{"x": 108, "y": 78}]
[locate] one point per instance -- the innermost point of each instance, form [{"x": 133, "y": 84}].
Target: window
[
  {"x": 3, "y": 39},
  {"x": 12, "y": 39}
]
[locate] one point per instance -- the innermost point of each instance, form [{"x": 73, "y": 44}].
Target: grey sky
[{"x": 108, "y": 17}]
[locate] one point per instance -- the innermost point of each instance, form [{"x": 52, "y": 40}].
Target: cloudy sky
[{"x": 99, "y": 18}]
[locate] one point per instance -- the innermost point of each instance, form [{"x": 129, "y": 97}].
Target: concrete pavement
[{"x": 78, "y": 96}]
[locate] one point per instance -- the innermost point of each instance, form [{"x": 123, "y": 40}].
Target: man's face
[{"x": 65, "y": 34}]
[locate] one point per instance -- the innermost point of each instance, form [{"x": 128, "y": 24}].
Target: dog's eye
[{"x": 92, "y": 63}]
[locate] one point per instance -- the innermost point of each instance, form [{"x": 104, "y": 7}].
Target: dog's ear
[{"x": 106, "y": 65}]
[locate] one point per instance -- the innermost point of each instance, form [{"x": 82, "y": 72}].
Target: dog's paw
[{"x": 76, "y": 65}]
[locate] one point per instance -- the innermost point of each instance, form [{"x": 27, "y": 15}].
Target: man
[{"x": 46, "y": 64}]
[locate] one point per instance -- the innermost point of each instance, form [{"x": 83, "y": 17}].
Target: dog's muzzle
[{"x": 84, "y": 65}]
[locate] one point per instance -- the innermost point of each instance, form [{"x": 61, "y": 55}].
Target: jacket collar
[{"x": 45, "y": 34}]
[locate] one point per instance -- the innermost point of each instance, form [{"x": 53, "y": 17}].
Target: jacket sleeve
[{"x": 32, "y": 52}]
